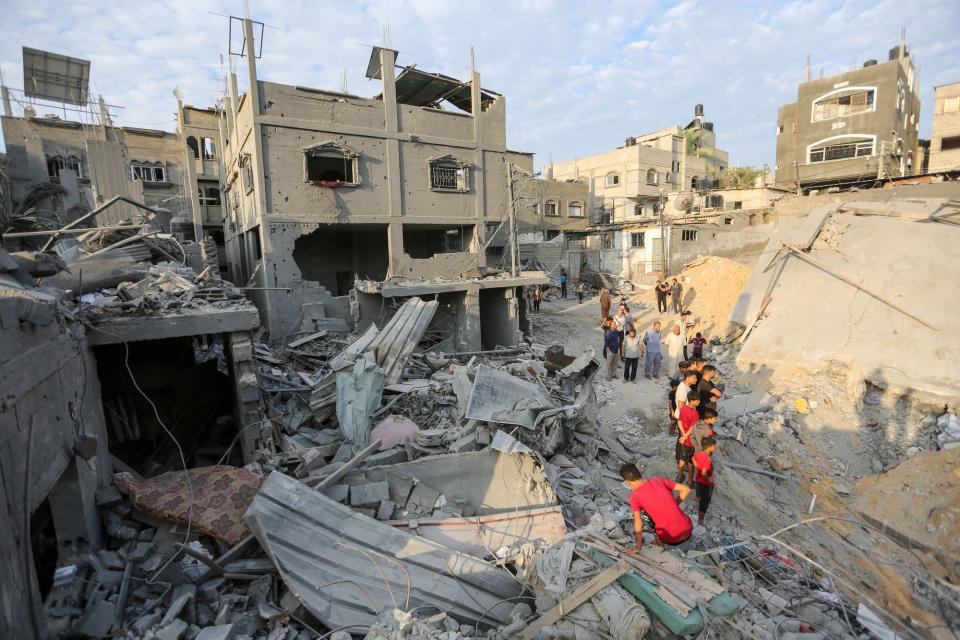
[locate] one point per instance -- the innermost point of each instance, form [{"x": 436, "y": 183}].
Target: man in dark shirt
[
  {"x": 662, "y": 288},
  {"x": 708, "y": 392}
]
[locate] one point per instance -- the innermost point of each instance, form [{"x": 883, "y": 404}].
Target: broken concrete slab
[
  {"x": 369, "y": 495},
  {"x": 219, "y": 632},
  {"x": 735, "y": 406}
]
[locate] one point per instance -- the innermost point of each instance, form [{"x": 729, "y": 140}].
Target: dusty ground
[{"x": 829, "y": 447}]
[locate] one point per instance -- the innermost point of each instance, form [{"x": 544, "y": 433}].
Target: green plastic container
[{"x": 723, "y": 605}]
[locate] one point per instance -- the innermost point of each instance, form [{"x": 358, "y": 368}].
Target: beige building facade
[
  {"x": 945, "y": 136},
  {"x": 851, "y": 128},
  {"x": 634, "y": 180}
]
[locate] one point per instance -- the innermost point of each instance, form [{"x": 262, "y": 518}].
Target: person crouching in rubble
[{"x": 653, "y": 504}]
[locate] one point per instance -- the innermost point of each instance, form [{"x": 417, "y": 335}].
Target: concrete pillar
[
  {"x": 5, "y": 93},
  {"x": 73, "y": 505},
  {"x": 388, "y": 65},
  {"x": 191, "y": 171},
  {"x": 468, "y": 321},
  {"x": 479, "y": 180}
]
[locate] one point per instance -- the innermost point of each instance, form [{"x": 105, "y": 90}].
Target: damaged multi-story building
[
  {"x": 336, "y": 202},
  {"x": 69, "y": 158},
  {"x": 851, "y": 129},
  {"x": 631, "y": 181},
  {"x": 945, "y": 139}
]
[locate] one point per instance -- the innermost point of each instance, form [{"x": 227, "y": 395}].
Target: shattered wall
[{"x": 50, "y": 412}]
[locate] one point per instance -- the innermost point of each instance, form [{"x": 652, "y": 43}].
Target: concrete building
[
  {"x": 851, "y": 128},
  {"x": 544, "y": 209},
  {"x": 945, "y": 138},
  {"x": 630, "y": 181},
  {"x": 324, "y": 189},
  {"x": 639, "y": 251},
  {"x": 94, "y": 161}
]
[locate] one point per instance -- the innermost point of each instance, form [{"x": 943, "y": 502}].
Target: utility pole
[
  {"x": 880, "y": 163},
  {"x": 663, "y": 238},
  {"x": 513, "y": 239},
  {"x": 796, "y": 171}
]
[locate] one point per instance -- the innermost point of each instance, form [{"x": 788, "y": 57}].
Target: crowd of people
[
  {"x": 691, "y": 407},
  {"x": 691, "y": 402}
]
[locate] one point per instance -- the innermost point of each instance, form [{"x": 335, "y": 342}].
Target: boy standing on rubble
[
  {"x": 687, "y": 420},
  {"x": 703, "y": 462},
  {"x": 652, "y": 502}
]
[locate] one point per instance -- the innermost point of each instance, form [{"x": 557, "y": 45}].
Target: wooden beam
[{"x": 575, "y": 599}]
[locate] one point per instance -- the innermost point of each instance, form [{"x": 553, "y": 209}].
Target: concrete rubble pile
[{"x": 479, "y": 500}]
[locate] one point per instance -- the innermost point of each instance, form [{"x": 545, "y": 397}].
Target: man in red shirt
[
  {"x": 652, "y": 501},
  {"x": 703, "y": 462},
  {"x": 688, "y": 417}
]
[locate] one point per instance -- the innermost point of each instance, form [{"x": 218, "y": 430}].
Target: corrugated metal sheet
[
  {"x": 345, "y": 567},
  {"x": 394, "y": 344}
]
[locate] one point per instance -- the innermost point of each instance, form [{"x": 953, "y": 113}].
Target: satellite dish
[
  {"x": 683, "y": 202},
  {"x": 178, "y": 93}
]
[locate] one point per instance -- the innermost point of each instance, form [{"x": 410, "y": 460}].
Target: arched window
[
  {"x": 209, "y": 152},
  {"x": 575, "y": 210},
  {"x": 753, "y": 219},
  {"x": 766, "y": 217},
  {"x": 638, "y": 209},
  {"x": 193, "y": 146},
  {"x": 652, "y": 177},
  {"x": 613, "y": 179},
  {"x": 550, "y": 208}
]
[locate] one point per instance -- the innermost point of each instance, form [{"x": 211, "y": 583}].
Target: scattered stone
[
  {"x": 370, "y": 494},
  {"x": 108, "y": 496},
  {"x": 172, "y": 631}
]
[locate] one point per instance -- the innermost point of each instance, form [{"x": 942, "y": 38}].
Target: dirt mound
[
  {"x": 917, "y": 499},
  {"x": 711, "y": 286}
]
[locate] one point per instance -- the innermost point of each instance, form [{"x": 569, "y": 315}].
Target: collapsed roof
[{"x": 424, "y": 89}]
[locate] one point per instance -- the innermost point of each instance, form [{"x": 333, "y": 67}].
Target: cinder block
[{"x": 369, "y": 495}]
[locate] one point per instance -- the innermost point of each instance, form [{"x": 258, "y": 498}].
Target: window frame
[
  {"x": 570, "y": 207},
  {"x": 154, "y": 170},
  {"x": 954, "y": 142},
  {"x": 551, "y": 205},
  {"x": 331, "y": 149},
  {"x": 246, "y": 172},
  {"x": 461, "y": 174},
  {"x": 689, "y": 235},
  {"x": 857, "y": 139},
  {"x": 636, "y": 236},
  {"x": 612, "y": 179},
  {"x": 850, "y": 91},
  {"x": 656, "y": 177}
]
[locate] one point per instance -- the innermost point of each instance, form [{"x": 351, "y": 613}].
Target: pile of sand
[
  {"x": 918, "y": 499},
  {"x": 711, "y": 286}
]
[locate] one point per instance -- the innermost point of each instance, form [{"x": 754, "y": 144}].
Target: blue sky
[{"x": 579, "y": 77}]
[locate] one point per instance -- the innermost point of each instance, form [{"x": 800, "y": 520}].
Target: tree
[{"x": 740, "y": 177}]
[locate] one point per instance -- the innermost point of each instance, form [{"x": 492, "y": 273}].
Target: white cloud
[{"x": 577, "y": 80}]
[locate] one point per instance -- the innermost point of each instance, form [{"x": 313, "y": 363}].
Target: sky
[{"x": 579, "y": 77}]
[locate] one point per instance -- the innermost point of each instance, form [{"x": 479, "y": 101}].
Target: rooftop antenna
[
  {"x": 903, "y": 41},
  {"x": 808, "y": 67},
  {"x": 343, "y": 81},
  {"x": 473, "y": 62}
]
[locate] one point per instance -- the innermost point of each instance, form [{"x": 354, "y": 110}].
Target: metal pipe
[{"x": 34, "y": 234}]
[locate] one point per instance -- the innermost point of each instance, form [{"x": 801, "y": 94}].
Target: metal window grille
[{"x": 442, "y": 177}]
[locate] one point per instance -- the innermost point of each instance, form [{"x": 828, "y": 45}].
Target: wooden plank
[
  {"x": 142, "y": 328},
  {"x": 577, "y": 598}
]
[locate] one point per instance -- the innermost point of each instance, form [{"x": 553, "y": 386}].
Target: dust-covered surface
[
  {"x": 711, "y": 285},
  {"x": 918, "y": 499},
  {"x": 894, "y": 267}
]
